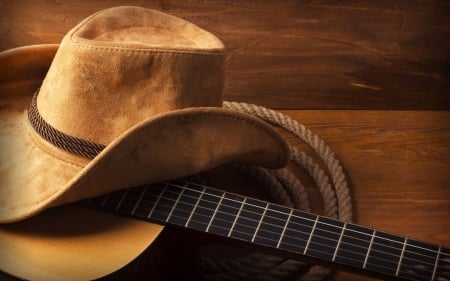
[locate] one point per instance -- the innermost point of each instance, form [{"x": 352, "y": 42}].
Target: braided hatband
[{"x": 59, "y": 139}]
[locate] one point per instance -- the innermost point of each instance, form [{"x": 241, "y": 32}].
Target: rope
[{"x": 284, "y": 188}]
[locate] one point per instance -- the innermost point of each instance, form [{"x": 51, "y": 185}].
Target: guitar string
[
  {"x": 293, "y": 245},
  {"x": 324, "y": 223},
  {"x": 178, "y": 186},
  {"x": 298, "y": 231},
  {"x": 277, "y": 226},
  {"x": 420, "y": 254},
  {"x": 404, "y": 268},
  {"x": 334, "y": 226},
  {"x": 293, "y": 237}
]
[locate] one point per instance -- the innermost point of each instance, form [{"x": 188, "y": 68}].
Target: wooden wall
[{"x": 352, "y": 54}]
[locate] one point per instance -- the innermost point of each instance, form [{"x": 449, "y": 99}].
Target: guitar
[{"x": 286, "y": 231}]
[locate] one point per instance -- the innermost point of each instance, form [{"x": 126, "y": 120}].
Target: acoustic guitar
[{"x": 287, "y": 232}]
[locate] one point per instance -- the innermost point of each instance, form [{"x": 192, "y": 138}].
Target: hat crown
[{"x": 124, "y": 65}]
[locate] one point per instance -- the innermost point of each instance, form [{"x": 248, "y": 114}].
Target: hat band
[{"x": 59, "y": 139}]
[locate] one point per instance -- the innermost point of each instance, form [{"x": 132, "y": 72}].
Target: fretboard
[{"x": 281, "y": 228}]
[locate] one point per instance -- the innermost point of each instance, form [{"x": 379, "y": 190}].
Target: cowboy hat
[{"x": 132, "y": 96}]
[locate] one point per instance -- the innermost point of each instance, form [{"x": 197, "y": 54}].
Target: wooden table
[{"x": 370, "y": 77}]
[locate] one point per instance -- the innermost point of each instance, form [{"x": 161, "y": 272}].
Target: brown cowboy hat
[{"x": 132, "y": 96}]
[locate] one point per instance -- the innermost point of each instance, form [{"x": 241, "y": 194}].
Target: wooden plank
[
  {"x": 293, "y": 54},
  {"x": 397, "y": 163}
]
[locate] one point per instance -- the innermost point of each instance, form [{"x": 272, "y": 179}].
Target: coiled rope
[{"x": 285, "y": 188}]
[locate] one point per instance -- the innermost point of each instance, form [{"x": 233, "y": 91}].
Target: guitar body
[
  {"x": 80, "y": 236},
  {"x": 85, "y": 245}
]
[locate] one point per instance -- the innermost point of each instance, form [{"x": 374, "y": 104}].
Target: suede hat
[{"x": 132, "y": 96}]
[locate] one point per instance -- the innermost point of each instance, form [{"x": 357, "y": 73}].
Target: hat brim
[
  {"x": 35, "y": 175},
  {"x": 68, "y": 242}
]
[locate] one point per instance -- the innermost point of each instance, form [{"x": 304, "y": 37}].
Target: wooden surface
[
  {"x": 293, "y": 54},
  {"x": 370, "y": 77}
]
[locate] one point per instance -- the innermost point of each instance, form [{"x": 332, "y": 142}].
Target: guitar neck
[{"x": 280, "y": 228}]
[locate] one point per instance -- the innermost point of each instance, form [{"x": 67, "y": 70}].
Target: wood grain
[
  {"x": 293, "y": 54},
  {"x": 400, "y": 158}
]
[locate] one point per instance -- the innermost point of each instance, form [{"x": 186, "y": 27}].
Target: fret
[
  {"x": 310, "y": 236},
  {"x": 183, "y": 208},
  {"x": 195, "y": 206},
  {"x": 272, "y": 225},
  {"x": 159, "y": 192},
  {"x": 104, "y": 200},
  {"x": 205, "y": 208},
  {"x": 226, "y": 214},
  {"x": 284, "y": 228},
  {"x": 165, "y": 202},
  {"x": 139, "y": 200},
  {"x": 401, "y": 256},
  {"x": 324, "y": 238},
  {"x": 215, "y": 211},
  {"x": 297, "y": 231},
  {"x": 237, "y": 216},
  {"x": 436, "y": 263},
  {"x": 130, "y": 201},
  {"x": 121, "y": 199},
  {"x": 175, "y": 205},
  {"x": 135, "y": 202},
  {"x": 368, "y": 249},
  {"x": 354, "y": 245},
  {"x": 248, "y": 219},
  {"x": 112, "y": 199},
  {"x": 443, "y": 267},
  {"x": 419, "y": 260},
  {"x": 98, "y": 201},
  {"x": 260, "y": 221},
  {"x": 385, "y": 253},
  {"x": 145, "y": 201},
  {"x": 339, "y": 242}
]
